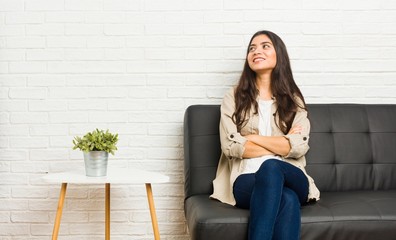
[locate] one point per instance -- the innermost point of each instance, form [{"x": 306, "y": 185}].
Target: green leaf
[{"x": 97, "y": 140}]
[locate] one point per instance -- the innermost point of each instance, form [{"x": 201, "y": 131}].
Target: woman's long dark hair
[{"x": 283, "y": 87}]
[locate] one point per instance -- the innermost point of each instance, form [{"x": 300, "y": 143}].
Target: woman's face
[{"x": 261, "y": 55}]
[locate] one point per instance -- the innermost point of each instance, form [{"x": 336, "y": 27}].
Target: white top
[
  {"x": 114, "y": 175},
  {"x": 253, "y": 164}
]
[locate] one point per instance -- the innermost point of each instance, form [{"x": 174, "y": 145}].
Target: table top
[{"x": 114, "y": 175}]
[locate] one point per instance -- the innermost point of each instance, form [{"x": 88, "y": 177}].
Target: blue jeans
[{"x": 274, "y": 195}]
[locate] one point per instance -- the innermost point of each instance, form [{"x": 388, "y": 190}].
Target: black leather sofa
[{"x": 352, "y": 158}]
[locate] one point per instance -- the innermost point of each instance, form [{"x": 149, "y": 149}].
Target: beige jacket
[{"x": 232, "y": 145}]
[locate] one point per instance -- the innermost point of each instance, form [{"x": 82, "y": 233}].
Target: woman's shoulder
[
  {"x": 228, "y": 103},
  {"x": 231, "y": 91},
  {"x": 229, "y": 94},
  {"x": 300, "y": 103}
]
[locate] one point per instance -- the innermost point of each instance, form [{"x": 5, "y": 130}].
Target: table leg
[
  {"x": 152, "y": 211},
  {"x": 107, "y": 212},
  {"x": 59, "y": 211}
]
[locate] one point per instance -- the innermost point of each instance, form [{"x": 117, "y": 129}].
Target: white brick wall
[{"x": 133, "y": 66}]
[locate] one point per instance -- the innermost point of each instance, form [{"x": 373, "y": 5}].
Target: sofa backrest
[
  {"x": 201, "y": 148},
  {"x": 352, "y": 147}
]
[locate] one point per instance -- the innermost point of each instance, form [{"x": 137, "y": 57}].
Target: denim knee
[{"x": 269, "y": 167}]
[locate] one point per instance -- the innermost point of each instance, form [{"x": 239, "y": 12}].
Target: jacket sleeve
[
  {"x": 299, "y": 142},
  {"x": 232, "y": 142}
]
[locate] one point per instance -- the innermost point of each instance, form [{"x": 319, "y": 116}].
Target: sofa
[{"x": 352, "y": 158}]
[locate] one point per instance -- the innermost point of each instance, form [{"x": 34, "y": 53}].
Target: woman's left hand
[{"x": 295, "y": 130}]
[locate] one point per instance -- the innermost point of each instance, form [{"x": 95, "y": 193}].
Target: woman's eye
[
  {"x": 266, "y": 46},
  {"x": 251, "y": 49}
]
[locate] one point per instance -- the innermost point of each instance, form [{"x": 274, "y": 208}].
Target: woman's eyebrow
[
  {"x": 266, "y": 43},
  {"x": 262, "y": 43}
]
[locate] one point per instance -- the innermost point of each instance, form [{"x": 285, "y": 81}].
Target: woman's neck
[{"x": 263, "y": 83}]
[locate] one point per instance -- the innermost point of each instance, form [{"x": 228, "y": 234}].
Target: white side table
[{"x": 114, "y": 175}]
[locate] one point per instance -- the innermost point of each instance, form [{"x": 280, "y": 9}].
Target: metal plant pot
[{"x": 96, "y": 163}]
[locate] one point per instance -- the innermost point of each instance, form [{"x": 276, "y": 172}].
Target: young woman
[{"x": 264, "y": 133}]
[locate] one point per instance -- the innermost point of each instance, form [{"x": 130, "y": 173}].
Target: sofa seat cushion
[
  {"x": 351, "y": 215},
  {"x": 338, "y": 215},
  {"x": 211, "y": 219}
]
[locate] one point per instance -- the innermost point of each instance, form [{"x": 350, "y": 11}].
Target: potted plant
[{"x": 96, "y": 146}]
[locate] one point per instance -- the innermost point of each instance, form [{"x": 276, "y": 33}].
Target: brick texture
[{"x": 133, "y": 67}]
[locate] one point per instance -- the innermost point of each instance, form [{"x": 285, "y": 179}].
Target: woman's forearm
[
  {"x": 253, "y": 150},
  {"x": 275, "y": 144}
]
